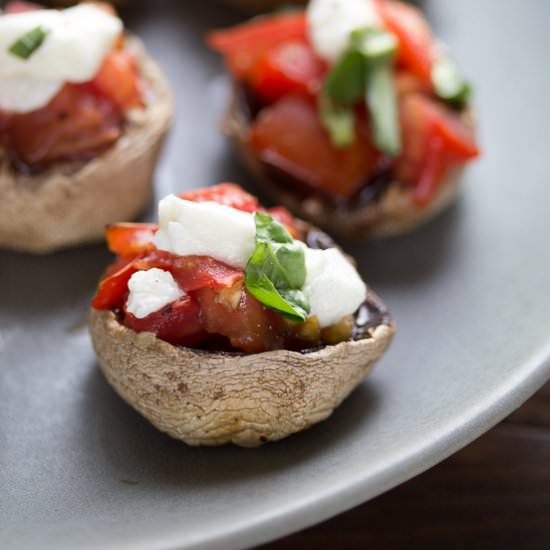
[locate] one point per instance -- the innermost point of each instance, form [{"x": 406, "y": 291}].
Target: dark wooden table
[{"x": 492, "y": 495}]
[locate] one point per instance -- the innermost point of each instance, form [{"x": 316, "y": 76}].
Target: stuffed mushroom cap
[
  {"x": 71, "y": 202},
  {"x": 213, "y": 398}
]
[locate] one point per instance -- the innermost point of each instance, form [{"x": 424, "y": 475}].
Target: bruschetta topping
[
  {"x": 47, "y": 48},
  {"x": 333, "y": 89},
  {"x": 66, "y": 82},
  {"x": 238, "y": 276}
]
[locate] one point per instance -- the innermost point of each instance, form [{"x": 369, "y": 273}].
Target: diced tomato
[
  {"x": 434, "y": 139},
  {"x": 191, "y": 273},
  {"x": 292, "y": 67},
  {"x": 195, "y": 272},
  {"x": 228, "y": 194},
  {"x": 416, "y": 44},
  {"x": 75, "y": 124},
  {"x": 118, "y": 79},
  {"x": 177, "y": 323},
  {"x": 248, "y": 325},
  {"x": 244, "y": 44},
  {"x": 129, "y": 239},
  {"x": 21, "y": 7},
  {"x": 289, "y": 136}
]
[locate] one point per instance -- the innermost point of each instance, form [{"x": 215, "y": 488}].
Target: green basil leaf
[
  {"x": 364, "y": 72},
  {"x": 345, "y": 82},
  {"x": 276, "y": 271},
  {"x": 289, "y": 266},
  {"x": 338, "y": 121},
  {"x": 265, "y": 292},
  {"x": 268, "y": 230},
  {"x": 448, "y": 82},
  {"x": 28, "y": 43}
]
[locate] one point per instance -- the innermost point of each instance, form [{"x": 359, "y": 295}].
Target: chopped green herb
[
  {"x": 382, "y": 105},
  {"x": 28, "y": 43},
  {"x": 448, "y": 82},
  {"x": 276, "y": 271},
  {"x": 379, "y": 48},
  {"x": 364, "y": 72},
  {"x": 338, "y": 121},
  {"x": 346, "y": 81}
]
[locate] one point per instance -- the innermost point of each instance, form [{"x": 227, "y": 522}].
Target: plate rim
[{"x": 454, "y": 435}]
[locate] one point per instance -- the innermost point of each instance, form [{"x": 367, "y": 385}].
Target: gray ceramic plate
[{"x": 471, "y": 292}]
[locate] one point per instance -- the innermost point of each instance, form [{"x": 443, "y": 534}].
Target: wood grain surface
[{"x": 494, "y": 494}]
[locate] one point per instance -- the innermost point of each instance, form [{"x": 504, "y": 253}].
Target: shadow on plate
[
  {"x": 37, "y": 285},
  {"x": 414, "y": 258},
  {"x": 133, "y": 452}
]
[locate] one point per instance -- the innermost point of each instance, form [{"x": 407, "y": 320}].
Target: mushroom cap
[
  {"x": 71, "y": 202},
  {"x": 212, "y": 398},
  {"x": 393, "y": 213}
]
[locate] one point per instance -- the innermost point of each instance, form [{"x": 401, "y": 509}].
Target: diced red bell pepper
[
  {"x": 416, "y": 44},
  {"x": 244, "y": 44},
  {"x": 130, "y": 239},
  {"x": 289, "y": 135}
]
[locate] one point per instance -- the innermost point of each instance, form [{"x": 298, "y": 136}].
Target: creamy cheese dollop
[
  {"x": 76, "y": 43},
  {"x": 150, "y": 291},
  {"x": 333, "y": 286},
  {"x": 189, "y": 228},
  {"x": 330, "y": 23}
]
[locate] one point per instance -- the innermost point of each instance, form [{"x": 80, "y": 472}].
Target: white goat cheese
[
  {"x": 150, "y": 291},
  {"x": 333, "y": 286},
  {"x": 330, "y": 23},
  {"x": 76, "y": 43},
  {"x": 189, "y": 228}
]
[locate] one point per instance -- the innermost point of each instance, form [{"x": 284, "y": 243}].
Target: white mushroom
[{"x": 212, "y": 398}]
